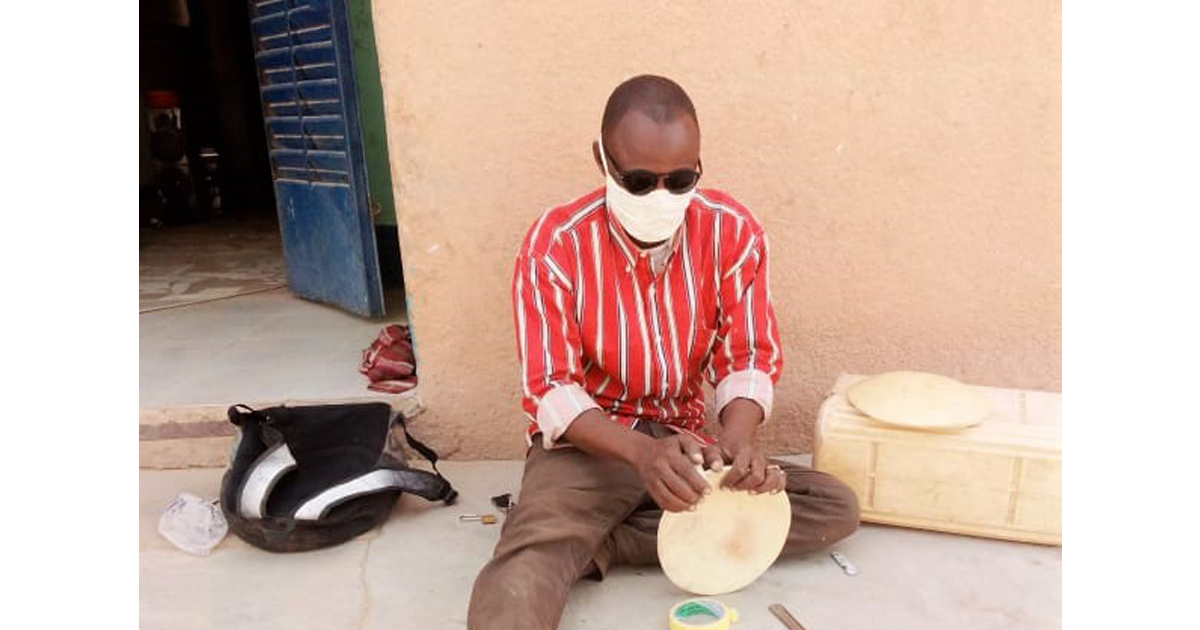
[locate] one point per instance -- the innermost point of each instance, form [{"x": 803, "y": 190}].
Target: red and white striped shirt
[{"x": 597, "y": 328}]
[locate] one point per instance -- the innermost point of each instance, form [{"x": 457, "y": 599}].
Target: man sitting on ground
[{"x": 625, "y": 300}]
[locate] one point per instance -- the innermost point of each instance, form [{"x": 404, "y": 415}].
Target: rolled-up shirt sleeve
[
  {"x": 747, "y": 359},
  {"x": 548, "y": 345}
]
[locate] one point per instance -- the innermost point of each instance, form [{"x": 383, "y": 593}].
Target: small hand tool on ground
[
  {"x": 786, "y": 617},
  {"x": 503, "y": 502},
  {"x": 486, "y": 519},
  {"x": 844, "y": 562}
]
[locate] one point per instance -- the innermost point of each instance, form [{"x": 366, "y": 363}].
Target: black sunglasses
[{"x": 641, "y": 181}]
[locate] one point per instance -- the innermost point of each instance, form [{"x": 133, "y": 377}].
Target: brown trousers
[{"x": 579, "y": 515}]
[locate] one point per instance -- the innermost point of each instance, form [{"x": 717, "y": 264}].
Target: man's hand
[
  {"x": 749, "y": 470},
  {"x": 668, "y": 468}
]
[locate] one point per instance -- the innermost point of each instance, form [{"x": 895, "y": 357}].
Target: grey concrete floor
[
  {"x": 264, "y": 346},
  {"x": 416, "y": 572}
]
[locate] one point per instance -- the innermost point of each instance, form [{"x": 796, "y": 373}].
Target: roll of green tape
[{"x": 702, "y": 614}]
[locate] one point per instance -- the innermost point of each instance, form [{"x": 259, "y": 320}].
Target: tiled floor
[
  {"x": 194, "y": 263},
  {"x": 416, "y": 571},
  {"x": 239, "y": 339}
]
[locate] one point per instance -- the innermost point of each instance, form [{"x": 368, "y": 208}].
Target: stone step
[{"x": 201, "y": 436}]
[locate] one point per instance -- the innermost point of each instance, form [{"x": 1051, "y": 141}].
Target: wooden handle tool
[{"x": 786, "y": 617}]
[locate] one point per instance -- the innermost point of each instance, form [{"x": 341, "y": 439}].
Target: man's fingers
[
  {"x": 713, "y": 459},
  {"x": 691, "y": 475},
  {"x": 686, "y": 467},
  {"x": 665, "y": 498},
  {"x": 737, "y": 470},
  {"x": 781, "y": 484},
  {"x": 692, "y": 449},
  {"x": 758, "y": 474},
  {"x": 679, "y": 487},
  {"x": 775, "y": 481}
]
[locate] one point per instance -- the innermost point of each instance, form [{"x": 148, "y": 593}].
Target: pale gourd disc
[
  {"x": 917, "y": 400},
  {"x": 727, "y": 542}
]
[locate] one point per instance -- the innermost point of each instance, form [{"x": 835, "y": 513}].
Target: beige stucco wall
[{"x": 902, "y": 155}]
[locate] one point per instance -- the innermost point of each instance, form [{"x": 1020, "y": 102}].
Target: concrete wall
[{"x": 904, "y": 157}]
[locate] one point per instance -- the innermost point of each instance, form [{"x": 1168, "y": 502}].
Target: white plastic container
[{"x": 999, "y": 479}]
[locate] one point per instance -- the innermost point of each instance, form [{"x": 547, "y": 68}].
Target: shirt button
[{"x": 628, "y": 269}]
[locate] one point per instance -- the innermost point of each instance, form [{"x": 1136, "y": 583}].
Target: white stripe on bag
[
  {"x": 374, "y": 481},
  {"x": 263, "y": 475}
]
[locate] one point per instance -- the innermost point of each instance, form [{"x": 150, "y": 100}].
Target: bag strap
[
  {"x": 428, "y": 453},
  {"x": 236, "y": 411},
  {"x": 416, "y": 444}
]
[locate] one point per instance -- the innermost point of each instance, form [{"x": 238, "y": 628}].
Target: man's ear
[{"x": 596, "y": 156}]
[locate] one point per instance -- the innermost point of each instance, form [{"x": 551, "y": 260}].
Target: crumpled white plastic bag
[{"x": 193, "y": 524}]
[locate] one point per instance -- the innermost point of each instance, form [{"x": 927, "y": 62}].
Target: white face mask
[{"x": 649, "y": 218}]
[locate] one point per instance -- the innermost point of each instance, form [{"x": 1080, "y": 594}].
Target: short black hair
[{"x": 657, "y": 97}]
